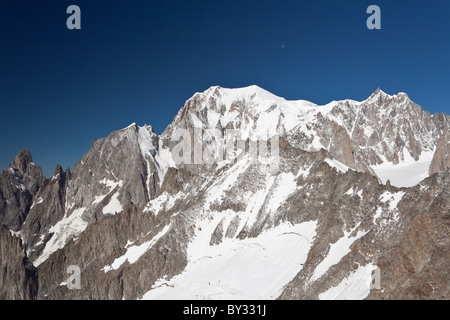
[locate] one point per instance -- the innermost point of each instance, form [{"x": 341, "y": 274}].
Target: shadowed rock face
[
  {"x": 18, "y": 184},
  {"x": 19, "y": 277},
  {"x": 127, "y": 216},
  {"x": 47, "y": 209},
  {"x": 441, "y": 159}
]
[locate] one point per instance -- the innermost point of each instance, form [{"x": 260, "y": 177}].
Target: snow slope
[
  {"x": 337, "y": 251},
  {"x": 133, "y": 253},
  {"x": 355, "y": 287},
  {"x": 253, "y": 268},
  {"x": 67, "y": 228},
  {"x": 408, "y": 172}
]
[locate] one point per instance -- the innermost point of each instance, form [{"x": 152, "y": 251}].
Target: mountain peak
[
  {"x": 136, "y": 127},
  {"x": 58, "y": 170},
  {"x": 22, "y": 160},
  {"x": 238, "y": 94},
  {"x": 403, "y": 95},
  {"x": 378, "y": 93},
  {"x": 133, "y": 125}
]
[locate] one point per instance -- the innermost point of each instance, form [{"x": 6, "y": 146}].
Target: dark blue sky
[{"x": 139, "y": 61}]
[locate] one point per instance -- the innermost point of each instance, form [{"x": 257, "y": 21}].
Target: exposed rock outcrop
[
  {"x": 19, "y": 278},
  {"x": 19, "y": 183}
]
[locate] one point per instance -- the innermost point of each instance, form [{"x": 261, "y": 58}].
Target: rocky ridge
[{"x": 140, "y": 226}]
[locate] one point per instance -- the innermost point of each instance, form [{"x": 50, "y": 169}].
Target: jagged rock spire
[
  {"x": 22, "y": 160},
  {"x": 58, "y": 170}
]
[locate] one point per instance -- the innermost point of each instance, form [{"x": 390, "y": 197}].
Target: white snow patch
[
  {"x": 67, "y": 228},
  {"x": 157, "y": 204},
  {"x": 135, "y": 252},
  {"x": 129, "y": 243},
  {"x": 225, "y": 182},
  {"x": 111, "y": 184},
  {"x": 163, "y": 201},
  {"x": 22, "y": 187},
  {"x": 285, "y": 186},
  {"x": 339, "y": 166},
  {"x": 338, "y": 250},
  {"x": 377, "y": 215},
  {"x": 352, "y": 192},
  {"x": 407, "y": 173},
  {"x": 15, "y": 233},
  {"x": 198, "y": 124},
  {"x": 392, "y": 198},
  {"x": 173, "y": 200},
  {"x": 255, "y": 202},
  {"x": 165, "y": 159},
  {"x": 303, "y": 172},
  {"x": 253, "y": 268},
  {"x": 114, "y": 206},
  {"x": 145, "y": 140},
  {"x": 130, "y": 126},
  {"x": 69, "y": 205},
  {"x": 41, "y": 241},
  {"x": 99, "y": 199},
  {"x": 148, "y": 151},
  {"x": 39, "y": 201},
  {"x": 355, "y": 287}
]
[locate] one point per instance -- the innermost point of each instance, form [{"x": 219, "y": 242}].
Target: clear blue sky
[{"x": 139, "y": 61}]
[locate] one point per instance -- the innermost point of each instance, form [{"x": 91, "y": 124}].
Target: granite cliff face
[
  {"x": 441, "y": 158},
  {"x": 359, "y": 193},
  {"x": 19, "y": 183},
  {"x": 19, "y": 278}
]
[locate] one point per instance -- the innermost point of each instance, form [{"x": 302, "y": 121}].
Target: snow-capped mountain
[
  {"x": 359, "y": 187},
  {"x": 379, "y": 135}
]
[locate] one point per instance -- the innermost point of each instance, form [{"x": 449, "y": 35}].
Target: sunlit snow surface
[
  {"x": 114, "y": 206},
  {"x": 71, "y": 226},
  {"x": 408, "y": 172},
  {"x": 135, "y": 252},
  {"x": 337, "y": 251},
  {"x": 67, "y": 228},
  {"x": 253, "y": 268},
  {"x": 355, "y": 287},
  {"x": 339, "y": 166}
]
